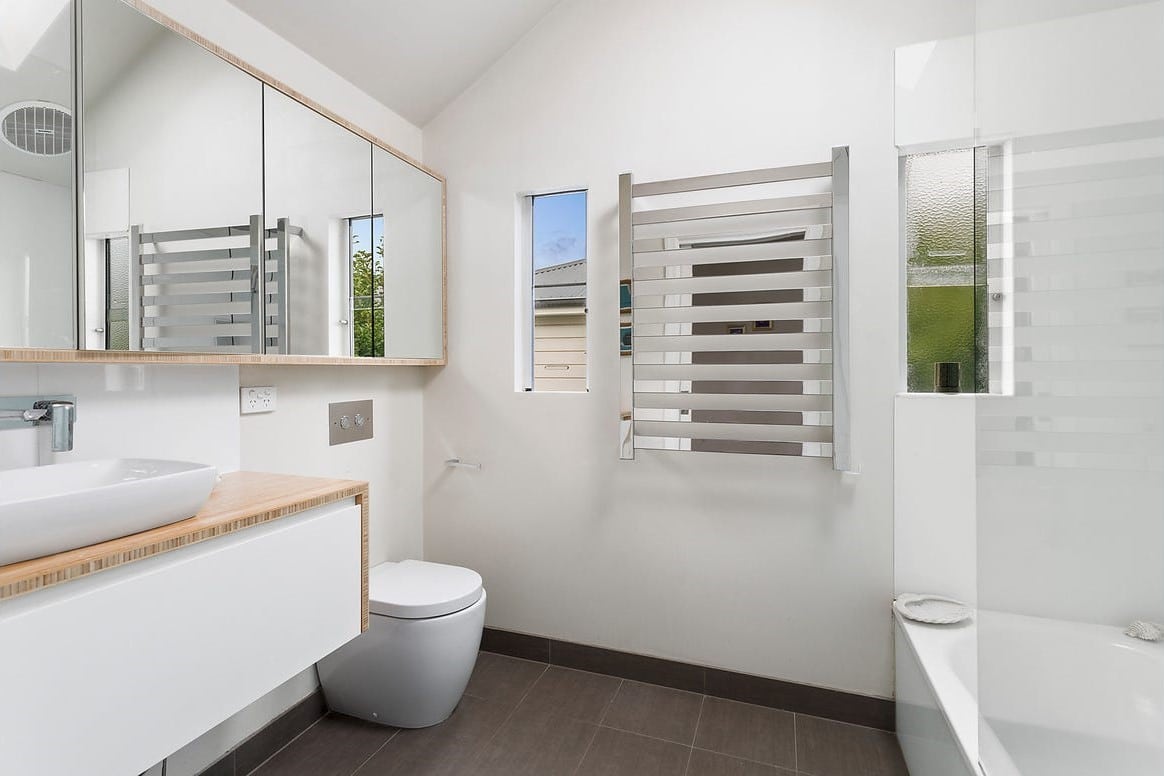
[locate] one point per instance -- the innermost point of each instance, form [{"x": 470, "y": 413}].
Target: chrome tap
[{"x": 60, "y": 412}]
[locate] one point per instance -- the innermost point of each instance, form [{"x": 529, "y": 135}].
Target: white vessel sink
[{"x": 50, "y": 509}]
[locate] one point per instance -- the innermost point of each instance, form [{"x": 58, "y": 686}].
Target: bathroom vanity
[{"x": 117, "y": 654}]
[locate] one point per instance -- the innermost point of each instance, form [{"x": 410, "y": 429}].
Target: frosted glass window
[{"x": 945, "y": 267}]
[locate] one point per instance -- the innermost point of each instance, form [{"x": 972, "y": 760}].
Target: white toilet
[{"x": 412, "y": 665}]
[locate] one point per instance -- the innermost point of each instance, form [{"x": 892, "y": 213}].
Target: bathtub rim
[{"x": 963, "y": 725}]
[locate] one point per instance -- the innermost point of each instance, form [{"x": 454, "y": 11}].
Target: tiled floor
[{"x": 520, "y": 717}]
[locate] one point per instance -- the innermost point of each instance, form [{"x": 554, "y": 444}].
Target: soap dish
[{"x": 933, "y": 609}]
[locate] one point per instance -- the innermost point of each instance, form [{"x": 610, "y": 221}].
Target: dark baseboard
[
  {"x": 762, "y": 691},
  {"x": 276, "y": 734}
]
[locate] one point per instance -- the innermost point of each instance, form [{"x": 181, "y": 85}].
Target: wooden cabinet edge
[{"x": 25, "y": 577}]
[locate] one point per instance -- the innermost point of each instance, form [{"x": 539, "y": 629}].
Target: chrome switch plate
[{"x": 349, "y": 421}]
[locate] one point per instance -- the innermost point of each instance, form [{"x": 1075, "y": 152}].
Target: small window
[
  {"x": 946, "y": 284},
  {"x": 554, "y": 267},
  {"x": 366, "y": 285}
]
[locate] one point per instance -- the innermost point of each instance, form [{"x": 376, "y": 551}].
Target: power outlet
[{"x": 256, "y": 398}]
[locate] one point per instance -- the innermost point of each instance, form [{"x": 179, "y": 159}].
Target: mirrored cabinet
[{"x": 213, "y": 213}]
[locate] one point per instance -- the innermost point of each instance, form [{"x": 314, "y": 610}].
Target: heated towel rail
[{"x": 735, "y": 335}]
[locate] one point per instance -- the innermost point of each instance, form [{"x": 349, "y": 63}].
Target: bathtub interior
[
  {"x": 1069, "y": 699},
  {"x": 1060, "y": 703}
]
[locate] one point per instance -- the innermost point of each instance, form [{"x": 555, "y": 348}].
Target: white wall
[
  {"x": 779, "y": 567},
  {"x": 295, "y": 440},
  {"x": 130, "y": 410},
  {"x": 36, "y": 264},
  {"x": 934, "y": 530},
  {"x": 194, "y": 154}
]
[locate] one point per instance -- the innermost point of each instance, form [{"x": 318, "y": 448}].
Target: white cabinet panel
[{"x": 110, "y": 673}]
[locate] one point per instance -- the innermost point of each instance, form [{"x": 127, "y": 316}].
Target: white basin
[{"x": 50, "y": 509}]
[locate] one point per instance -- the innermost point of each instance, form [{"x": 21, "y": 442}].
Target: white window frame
[{"x": 524, "y": 313}]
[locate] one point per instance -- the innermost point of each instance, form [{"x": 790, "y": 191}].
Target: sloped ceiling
[{"x": 412, "y": 56}]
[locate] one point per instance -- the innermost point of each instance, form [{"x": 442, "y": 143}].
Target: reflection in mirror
[
  {"x": 319, "y": 194},
  {"x": 412, "y": 284},
  {"x": 36, "y": 175},
  {"x": 172, "y": 190}
]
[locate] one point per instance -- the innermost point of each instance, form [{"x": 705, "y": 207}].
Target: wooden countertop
[{"x": 239, "y": 500}]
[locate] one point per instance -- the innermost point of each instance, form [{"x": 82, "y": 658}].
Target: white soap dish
[{"x": 933, "y": 609}]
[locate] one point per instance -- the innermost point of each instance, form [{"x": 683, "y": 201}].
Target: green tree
[{"x": 367, "y": 299}]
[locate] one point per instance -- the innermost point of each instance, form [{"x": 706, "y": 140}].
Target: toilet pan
[{"x": 411, "y": 667}]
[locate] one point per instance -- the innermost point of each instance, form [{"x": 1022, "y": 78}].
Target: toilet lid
[{"x": 416, "y": 589}]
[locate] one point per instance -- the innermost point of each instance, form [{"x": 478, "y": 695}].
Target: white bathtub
[{"x": 1058, "y": 699}]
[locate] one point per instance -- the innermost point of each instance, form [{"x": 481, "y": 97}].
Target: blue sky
[
  {"x": 366, "y": 233},
  {"x": 559, "y": 228}
]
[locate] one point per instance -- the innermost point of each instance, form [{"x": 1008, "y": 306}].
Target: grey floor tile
[
  {"x": 434, "y": 754},
  {"x": 535, "y": 743},
  {"x": 576, "y": 694},
  {"x": 474, "y": 719},
  {"x": 705, "y": 763},
  {"x": 446, "y": 749},
  {"x": 827, "y": 748},
  {"x": 503, "y": 679},
  {"x": 655, "y": 711},
  {"x": 334, "y": 746},
  {"x": 748, "y": 732},
  {"x": 617, "y": 753}
]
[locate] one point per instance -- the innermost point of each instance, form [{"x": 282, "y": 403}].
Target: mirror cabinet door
[
  {"x": 173, "y": 190},
  {"x": 216, "y": 214},
  {"x": 318, "y": 206},
  {"x": 36, "y": 175},
  {"x": 410, "y": 203}
]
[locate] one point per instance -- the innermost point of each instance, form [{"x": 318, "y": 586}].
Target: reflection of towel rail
[
  {"x": 240, "y": 304},
  {"x": 457, "y": 463}
]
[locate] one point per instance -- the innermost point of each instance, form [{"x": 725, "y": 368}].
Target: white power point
[{"x": 256, "y": 398}]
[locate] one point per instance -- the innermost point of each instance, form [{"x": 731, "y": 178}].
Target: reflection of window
[
  {"x": 366, "y": 284},
  {"x": 557, "y": 262},
  {"x": 116, "y": 293},
  {"x": 946, "y": 296}
]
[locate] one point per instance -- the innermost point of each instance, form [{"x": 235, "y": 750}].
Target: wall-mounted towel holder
[{"x": 457, "y": 463}]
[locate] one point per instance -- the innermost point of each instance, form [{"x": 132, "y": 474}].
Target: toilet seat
[{"x": 416, "y": 589}]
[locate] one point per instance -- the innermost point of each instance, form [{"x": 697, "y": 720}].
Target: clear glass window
[{"x": 558, "y": 270}]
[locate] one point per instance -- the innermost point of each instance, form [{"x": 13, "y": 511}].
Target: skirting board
[
  {"x": 774, "y": 693},
  {"x": 279, "y": 732}
]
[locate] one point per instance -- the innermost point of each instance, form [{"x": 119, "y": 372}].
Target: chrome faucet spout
[
  {"x": 58, "y": 411},
  {"x": 61, "y": 414}
]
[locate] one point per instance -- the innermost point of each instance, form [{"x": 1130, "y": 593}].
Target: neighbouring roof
[{"x": 560, "y": 285}]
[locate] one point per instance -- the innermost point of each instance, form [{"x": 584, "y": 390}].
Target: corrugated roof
[{"x": 560, "y": 284}]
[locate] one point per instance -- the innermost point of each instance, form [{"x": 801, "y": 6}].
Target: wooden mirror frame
[{"x": 78, "y": 355}]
